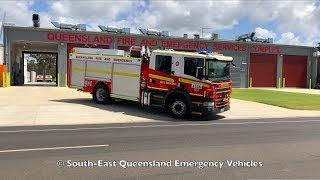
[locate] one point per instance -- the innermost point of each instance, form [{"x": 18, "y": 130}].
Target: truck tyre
[
  {"x": 178, "y": 107},
  {"x": 101, "y": 94}
]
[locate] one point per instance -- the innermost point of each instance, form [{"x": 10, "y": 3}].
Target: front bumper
[{"x": 214, "y": 110}]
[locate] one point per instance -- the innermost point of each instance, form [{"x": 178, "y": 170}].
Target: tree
[{"x": 43, "y": 64}]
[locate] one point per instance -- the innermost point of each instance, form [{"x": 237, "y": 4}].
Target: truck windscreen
[{"x": 217, "y": 70}]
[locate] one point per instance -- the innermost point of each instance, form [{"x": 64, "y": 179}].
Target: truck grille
[{"x": 222, "y": 97}]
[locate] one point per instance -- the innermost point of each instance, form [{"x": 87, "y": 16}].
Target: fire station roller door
[
  {"x": 126, "y": 80},
  {"x": 263, "y": 70},
  {"x": 99, "y": 70},
  {"x": 294, "y": 71},
  {"x": 77, "y": 73}
]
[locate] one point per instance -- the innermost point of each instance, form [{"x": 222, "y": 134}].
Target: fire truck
[{"x": 180, "y": 83}]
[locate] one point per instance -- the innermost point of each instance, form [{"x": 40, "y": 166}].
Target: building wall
[
  {"x": 317, "y": 68},
  {"x": 1, "y": 54},
  {"x": 240, "y": 51}
]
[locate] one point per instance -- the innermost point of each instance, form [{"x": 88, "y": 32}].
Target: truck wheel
[
  {"x": 178, "y": 107},
  {"x": 101, "y": 94}
]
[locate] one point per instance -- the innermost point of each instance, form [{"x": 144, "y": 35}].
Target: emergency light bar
[
  {"x": 205, "y": 52},
  {"x": 210, "y": 53}
]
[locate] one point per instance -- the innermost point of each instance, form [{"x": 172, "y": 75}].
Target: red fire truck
[{"x": 181, "y": 83}]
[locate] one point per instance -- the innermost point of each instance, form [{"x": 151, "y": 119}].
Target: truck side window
[
  {"x": 191, "y": 64},
  {"x": 163, "y": 63}
]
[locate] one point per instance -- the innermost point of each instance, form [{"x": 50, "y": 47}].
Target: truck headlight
[{"x": 208, "y": 104}]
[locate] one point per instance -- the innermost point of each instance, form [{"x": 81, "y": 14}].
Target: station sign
[
  {"x": 163, "y": 43},
  {"x": 259, "y": 48}
]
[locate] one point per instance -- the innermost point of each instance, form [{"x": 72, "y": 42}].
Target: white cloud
[
  {"x": 289, "y": 38},
  {"x": 93, "y": 12},
  {"x": 181, "y": 17},
  {"x": 298, "y": 17},
  {"x": 264, "y": 33},
  {"x": 11, "y": 7}
]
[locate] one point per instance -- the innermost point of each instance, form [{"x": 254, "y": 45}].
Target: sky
[{"x": 295, "y": 22}]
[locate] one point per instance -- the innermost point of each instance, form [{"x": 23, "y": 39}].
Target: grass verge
[{"x": 288, "y": 100}]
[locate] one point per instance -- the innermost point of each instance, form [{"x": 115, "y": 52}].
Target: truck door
[
  {"x": 177, "y": 65},
  {"x": 164, "y": 64},
  {"x": 162, "y": 75}
]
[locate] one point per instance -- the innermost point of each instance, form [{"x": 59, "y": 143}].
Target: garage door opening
[
  {"x": 41, "y": 69},
  {"x": 263, "y": 68},
  {"x": 33, "y": 61},
  {"x": 295, "y": 71}
]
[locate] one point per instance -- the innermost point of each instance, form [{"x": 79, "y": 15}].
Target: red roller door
[
  {"x": 263, "y": 70},
  {"x": 294, "y": 70}
]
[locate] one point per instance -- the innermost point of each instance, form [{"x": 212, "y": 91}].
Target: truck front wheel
[
  {"x": 101, "y": 94},
  {"x": 178, "y": 107}
]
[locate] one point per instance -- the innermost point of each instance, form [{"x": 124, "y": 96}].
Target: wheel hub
[
  {"x": 101, "y": 94},
  {"x": 179, "y": 108}
]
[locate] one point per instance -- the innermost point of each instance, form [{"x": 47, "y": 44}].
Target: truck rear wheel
[
  {"x": 101, "y": 94},
  {"x": 178, "y": 107}
]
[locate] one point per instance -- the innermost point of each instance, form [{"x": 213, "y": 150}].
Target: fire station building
[{"x": 256, "y": 64}]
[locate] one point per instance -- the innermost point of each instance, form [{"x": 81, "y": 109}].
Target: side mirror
[
  {"x": 199, "y": 72},
  {"x": 233, "y": 65}
]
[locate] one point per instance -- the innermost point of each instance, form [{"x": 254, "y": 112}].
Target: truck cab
[{"x": 196, "y": 83}]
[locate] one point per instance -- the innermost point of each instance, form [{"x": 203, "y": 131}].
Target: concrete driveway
[
  {"x": 294, "y": 90},
  {"x": 43, "y": 105}
]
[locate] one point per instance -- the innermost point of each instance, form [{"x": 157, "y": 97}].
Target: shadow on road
[{"x": 134, "y": 109}]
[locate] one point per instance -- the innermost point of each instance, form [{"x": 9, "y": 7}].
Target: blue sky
[
  {"x": 288, "y": 22},
  {"x": 39, "y": 6}
]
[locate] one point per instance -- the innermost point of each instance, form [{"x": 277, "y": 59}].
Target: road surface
[{"x": 233, "y": 149}]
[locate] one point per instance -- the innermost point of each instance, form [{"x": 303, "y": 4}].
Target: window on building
[
  {"x": 163, "y": 63},
  {"x": 191, "y": 64}
]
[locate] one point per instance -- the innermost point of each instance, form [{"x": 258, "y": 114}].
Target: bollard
[
  {"x": 3, "y": 80},
  {"x": 310, "y": 84},
  {"x": 58, "y": 79}
]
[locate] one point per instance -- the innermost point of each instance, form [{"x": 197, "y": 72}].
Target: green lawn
[{"x": 276, "y": 98}]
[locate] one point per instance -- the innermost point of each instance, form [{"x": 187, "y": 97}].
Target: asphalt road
[{"x": 255, "y": 149}]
